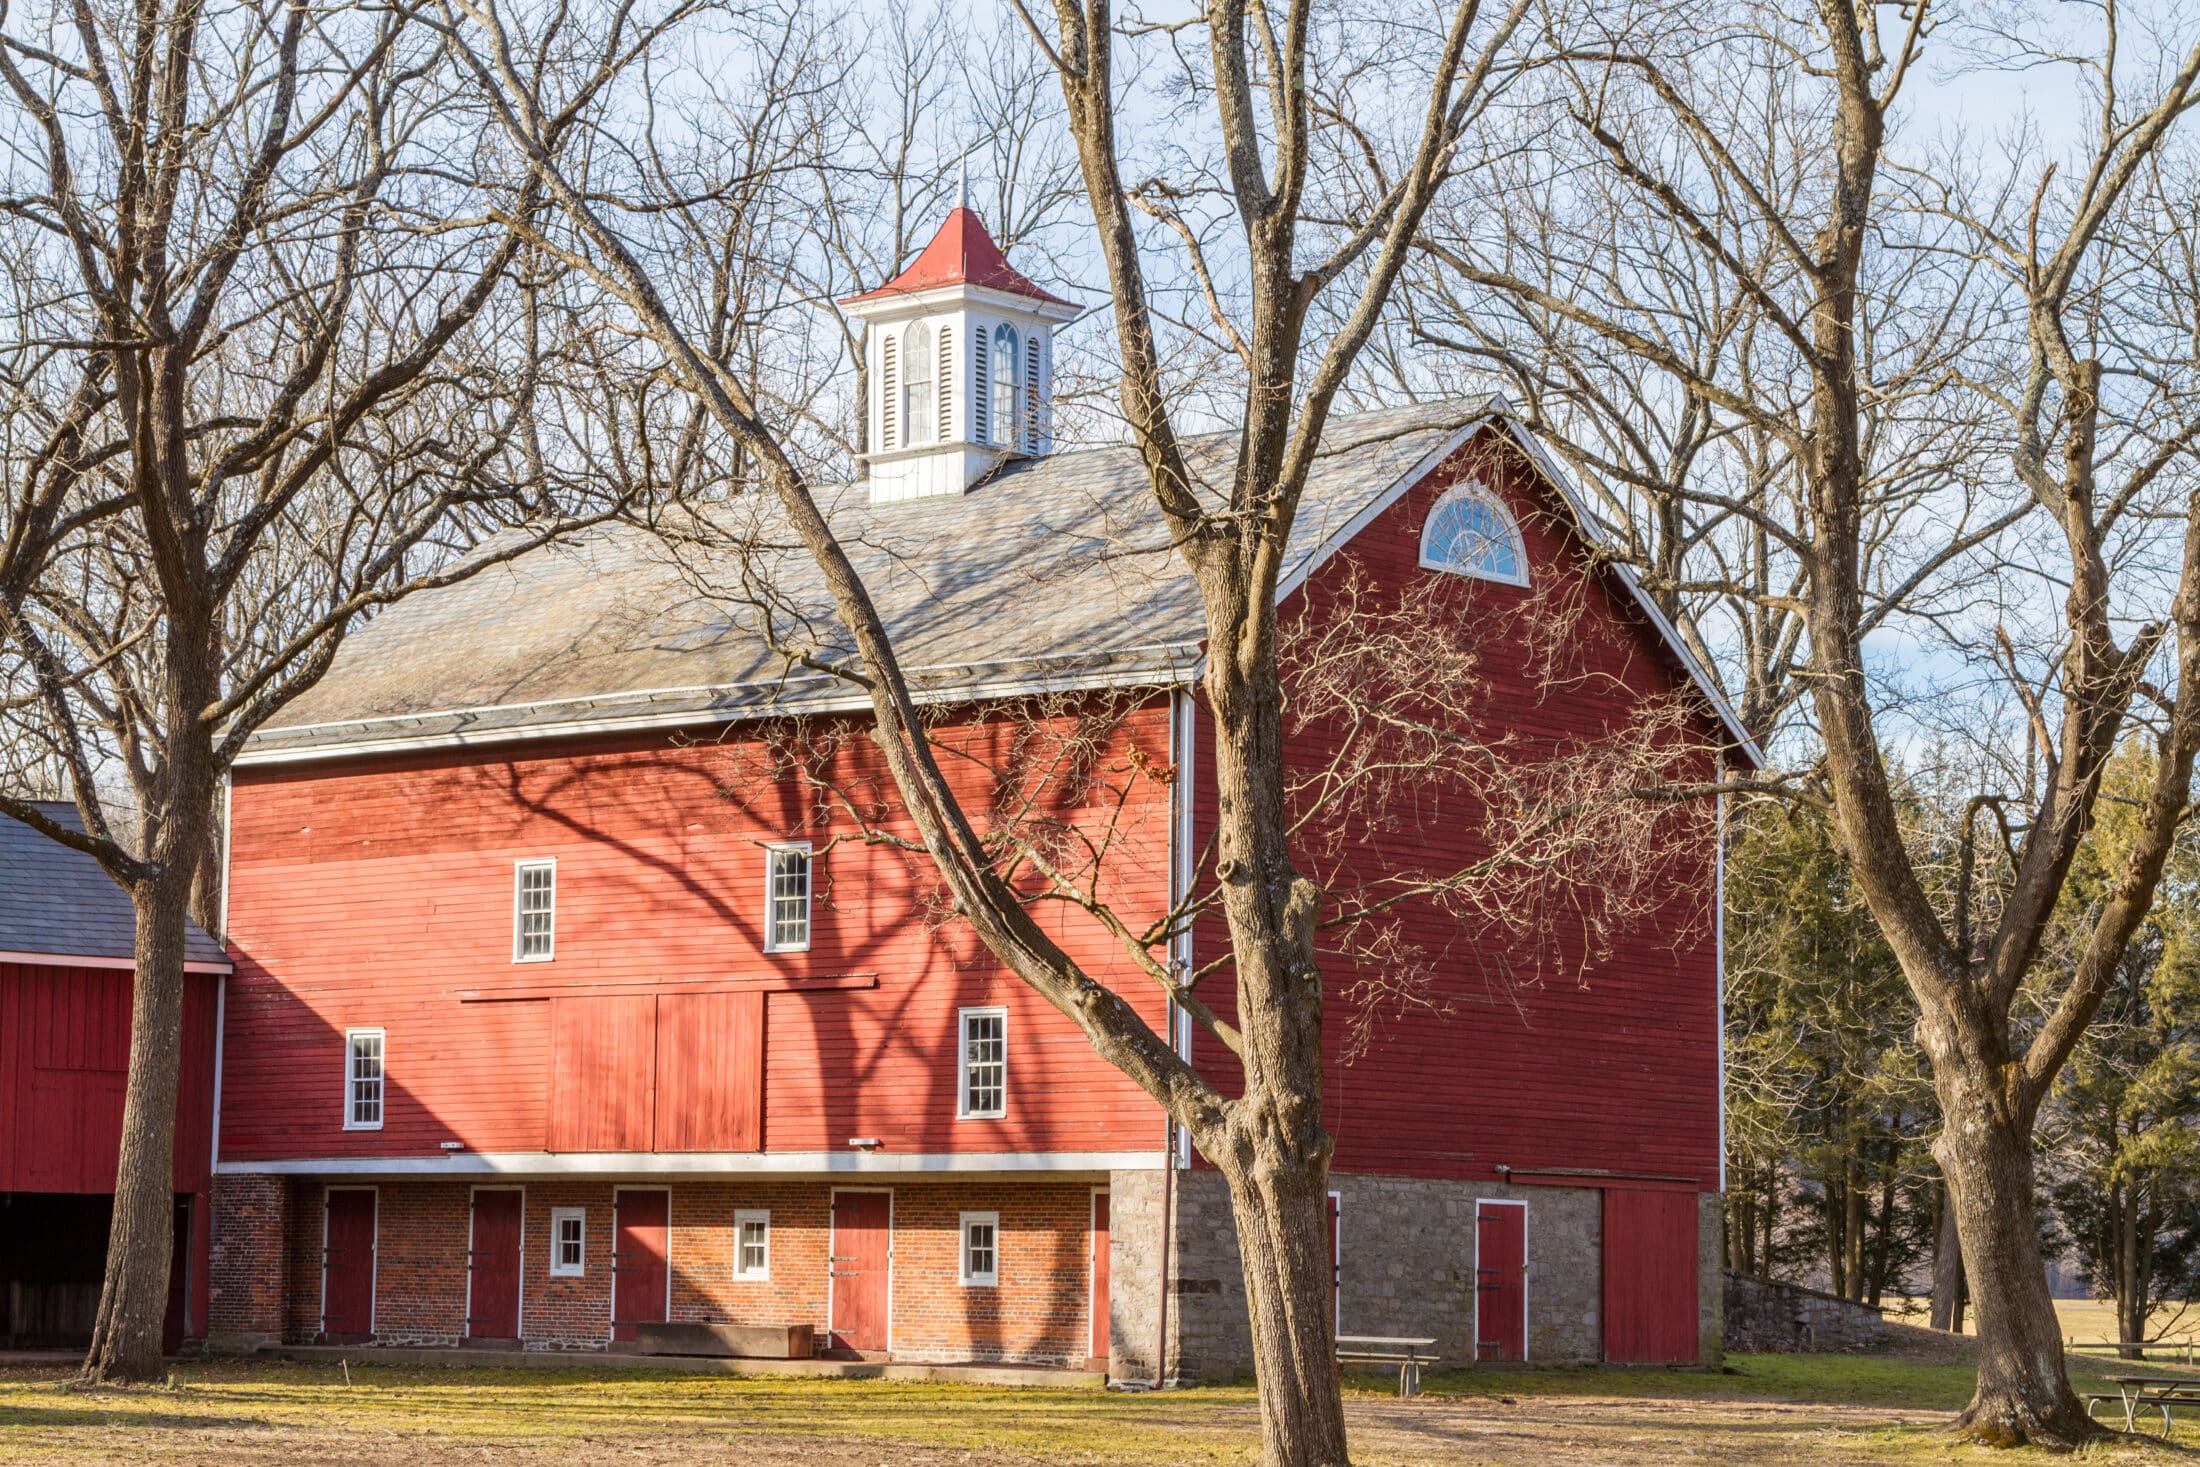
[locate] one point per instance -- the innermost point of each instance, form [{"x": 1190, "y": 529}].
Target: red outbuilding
[
  {"x": 66, "y": 941},
  {"x": 571, "y": 998}
]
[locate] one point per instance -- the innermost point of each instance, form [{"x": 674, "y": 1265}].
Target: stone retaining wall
[{"x": 1762, "y": 1314}]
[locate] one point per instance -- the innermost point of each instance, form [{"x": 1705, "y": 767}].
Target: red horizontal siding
[
  {"x": 1516, "y": 1054},
  {"x": 64, "y": 1058},
  {"x": 378, "y": 893}
]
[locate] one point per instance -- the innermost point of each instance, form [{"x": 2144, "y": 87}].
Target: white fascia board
[
  {"x": 699, "y": 1163},
  {"x": 88, "y": 960},
  {"x": 933, "y": 297}
]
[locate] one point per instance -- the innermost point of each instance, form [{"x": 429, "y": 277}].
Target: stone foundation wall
[
  {"x": 1408, "y": 1269},
  {"x": 1764, "y": 1315}
]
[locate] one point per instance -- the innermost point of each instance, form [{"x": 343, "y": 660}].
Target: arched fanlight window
[
  {"x": 1004, "y": 386},
  {"x": 1470, "y": 533},
  {"x": 917, "y": 402}
]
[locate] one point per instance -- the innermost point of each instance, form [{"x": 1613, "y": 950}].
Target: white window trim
[
  {"x": 962, "y": 1063},
  {"x": 809, "y": 898},
  {"x": 962, "y": 1251},
  {"x": 519, "y": 870},
  {"x": 1476, "y": 489},
  {"x": 558, "y": 1268},
  {"x": 382, "y": 1080},
  {"x": 741, "y": 1218}
]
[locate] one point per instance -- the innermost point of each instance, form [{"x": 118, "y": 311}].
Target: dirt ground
[{"x": 278, "y": 1416}]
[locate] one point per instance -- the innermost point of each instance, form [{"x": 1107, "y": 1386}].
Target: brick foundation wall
[
  {"x": 1039, "y": 1313},
  {"x": 1408, "y": 1270},
  {"x": 248, "y": 1278}
]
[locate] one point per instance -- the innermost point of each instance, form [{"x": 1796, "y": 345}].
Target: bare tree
[
  {"x": 255, "y": 390},
  {"x": 1268, "y": 90},
  {"x": 1883, "y": 295}
]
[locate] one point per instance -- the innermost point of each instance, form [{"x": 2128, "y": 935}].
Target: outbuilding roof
[
  {"x": 1053, "y": 573},
  {"x": 57, "y": 902}
]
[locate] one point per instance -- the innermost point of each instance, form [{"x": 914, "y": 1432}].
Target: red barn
[
  {"x": 67, "y": 934},
  {"x": 563, "y": 1007}
]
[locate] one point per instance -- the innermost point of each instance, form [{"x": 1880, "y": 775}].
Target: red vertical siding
[{"x": 64, "y": 1057}]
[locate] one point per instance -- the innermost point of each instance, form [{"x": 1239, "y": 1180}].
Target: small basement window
[
  {"x": 981, "y": 1249},
  {"x": 1471, "y": 533},
  {"x": 787, "y": 899},
  {"x": 568, "y": 1242},
  {"x": 752, "y": 1244},
  {"x": 534, "y": 911},
  {"x": 984, "y": 1091},
  {"x": 363, "y": 1050}
]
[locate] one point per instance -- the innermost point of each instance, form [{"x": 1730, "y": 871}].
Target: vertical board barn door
[
  {"x": 1501, "y": 1281},
  {"x": 492, "y": 1265},
  {"x": 603, "y": 1073},
  {"x": 347, "y": 1263},
  {"x": 641, "y": 1270},
  {"x": 710, "y": 1072},
  {"x": 1650, "y": 1283}
]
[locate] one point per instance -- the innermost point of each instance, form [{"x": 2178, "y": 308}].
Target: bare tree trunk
[
  {"x": 133, "y": 1299},
  {"x": 1284, "y": 1249},
  {"x": 1947, "y": 1311},
  {"x": 2131, "y": 1304},
  {"x": 2023, "y": 1394}
]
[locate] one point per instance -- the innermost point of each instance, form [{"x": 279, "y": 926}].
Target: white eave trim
[
  {"x": 84, "y": 960},
  {"x": 696, "y": 1163}
]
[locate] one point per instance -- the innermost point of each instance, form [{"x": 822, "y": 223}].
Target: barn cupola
[{"x": 959, "y": 352}]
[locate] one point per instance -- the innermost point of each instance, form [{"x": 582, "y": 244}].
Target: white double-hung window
[
  {"x": 752, "y": 1244},
  {"x": 786, "y": 898},
  {"x": 363, "y": 1052},
  {"x": 534, "y": 911},
  {"x": 983, "y": 1093},
  {"x": 568, "y": 1242},
  {"x": 981, "y": 1249}
]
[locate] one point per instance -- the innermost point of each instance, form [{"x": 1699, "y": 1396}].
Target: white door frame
[
  {"x": 832, "y": 1230},
  {"x": 1092, "y": 1271},
  {"x": 1522, "y": 1204},
  {"x": 519, "y": 1321},
  {"x": 1336, "y": 1266}
]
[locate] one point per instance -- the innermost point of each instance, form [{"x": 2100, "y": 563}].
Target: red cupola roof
[{"x": 962, "y": 253}]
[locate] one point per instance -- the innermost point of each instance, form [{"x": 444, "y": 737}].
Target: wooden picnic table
[
  {"x": 2156, "y": 1392},
  {"x": 1396, "y": 1350}
]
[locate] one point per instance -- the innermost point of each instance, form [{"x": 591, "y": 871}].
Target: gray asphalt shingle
[{"x": 60, "y": 902}]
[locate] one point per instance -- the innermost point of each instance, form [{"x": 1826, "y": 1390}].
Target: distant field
[{"x": 2087, "y": 1324}]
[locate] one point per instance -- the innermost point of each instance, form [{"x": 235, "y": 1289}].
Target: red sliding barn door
[
  {"x": 1650, "y": 1243},
  {"x": 641, "y": 1275},
  {"x": 1500, "y": 1281},
  {"x": 347, "y": 1263},
  {"x": 492, "y": 1266},
  {"x": 862, "y": 1269},
  {"x": 710, "y": 1072}
]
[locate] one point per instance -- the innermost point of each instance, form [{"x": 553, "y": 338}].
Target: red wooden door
[
  {"x": 640, "y": 1275},
  {"x": 347, "y": 1263},
  {"x": 862, "y": 1268},
  {"x": 1501, "y": 1281},
  {"x": 1650, "y": 1300},
  {"x": 492, "y": 1266},
  {"x": 1099, "y": 1350}
]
